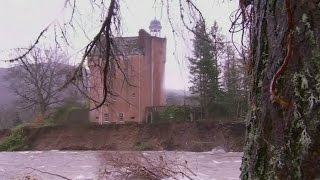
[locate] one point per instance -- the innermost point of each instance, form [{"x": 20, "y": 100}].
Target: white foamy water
[{"x": 86, "y": 165}]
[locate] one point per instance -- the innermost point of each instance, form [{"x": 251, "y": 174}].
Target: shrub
[
  {"x": 62, "y": 113},
  {"x": 16, "y": 141},
  {"x": 175, "y": 113}
]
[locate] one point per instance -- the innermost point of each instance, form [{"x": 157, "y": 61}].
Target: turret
[{"x": 155, "y": 28}]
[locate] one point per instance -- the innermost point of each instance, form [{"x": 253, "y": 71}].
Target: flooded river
[{"x": 87, "y": 165}]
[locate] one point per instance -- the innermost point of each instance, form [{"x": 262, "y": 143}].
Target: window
[
  {"x": 106, "y": 117},
  {"x": 133, "y": 95},
  {"x": 121, "y": 115}
]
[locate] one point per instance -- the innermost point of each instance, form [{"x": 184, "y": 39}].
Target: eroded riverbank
[{"x": 186, "y": 136}]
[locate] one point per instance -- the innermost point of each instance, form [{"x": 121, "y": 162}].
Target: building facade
[{"x": 136, "y": 85}]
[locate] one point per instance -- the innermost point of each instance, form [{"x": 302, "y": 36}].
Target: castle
[{"x": 136, "y": 85}]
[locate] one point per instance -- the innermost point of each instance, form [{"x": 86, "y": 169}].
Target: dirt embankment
[
  {"x": 4, "y": 133},
  {"x": 196, "y": 136}
]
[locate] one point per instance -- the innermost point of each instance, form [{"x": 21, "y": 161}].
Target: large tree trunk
[{"x": 284, "y": 142}]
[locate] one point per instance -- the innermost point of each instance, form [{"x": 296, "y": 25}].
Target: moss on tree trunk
[{"x": 284, "y": 143}]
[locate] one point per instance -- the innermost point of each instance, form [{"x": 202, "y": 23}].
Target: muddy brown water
[{"x": 86, "y": 165}]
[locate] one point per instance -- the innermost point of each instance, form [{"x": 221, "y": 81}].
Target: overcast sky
[{"x": 21, "y": 21}]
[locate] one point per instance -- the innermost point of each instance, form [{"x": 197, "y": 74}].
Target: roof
[
  {"x": 127, "y": 45},
  {"x": 121, "y": 46}
]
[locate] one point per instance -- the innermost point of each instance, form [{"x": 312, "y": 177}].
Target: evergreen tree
[
  {"x": 204, "y": 68},
  {"x": 235, "y": 84}
]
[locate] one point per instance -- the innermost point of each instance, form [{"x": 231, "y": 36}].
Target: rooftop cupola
[{"x": 155, "y": 28}]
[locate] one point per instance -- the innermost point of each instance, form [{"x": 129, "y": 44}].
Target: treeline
[{"x": 218, "y": 75}]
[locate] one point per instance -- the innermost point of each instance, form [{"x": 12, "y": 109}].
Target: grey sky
[{"x": 21, "y": 21}]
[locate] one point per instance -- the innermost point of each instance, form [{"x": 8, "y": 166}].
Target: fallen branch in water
[
  {"x": 52, "y": 174},
  {"x": 126, "y": 165}
]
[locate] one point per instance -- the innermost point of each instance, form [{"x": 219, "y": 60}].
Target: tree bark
[{"x": 284, "y": 142}]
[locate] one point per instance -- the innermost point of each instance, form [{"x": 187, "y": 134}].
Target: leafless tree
[{"x": 37, "y": 79}]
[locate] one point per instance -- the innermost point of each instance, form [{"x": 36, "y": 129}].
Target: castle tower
[{"x": 135, "y": 87}]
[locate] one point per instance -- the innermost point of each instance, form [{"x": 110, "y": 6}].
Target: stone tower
[{"x": 142, "y": 59}]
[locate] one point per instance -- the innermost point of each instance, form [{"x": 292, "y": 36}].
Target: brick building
[{"x": 142, "y": 60}]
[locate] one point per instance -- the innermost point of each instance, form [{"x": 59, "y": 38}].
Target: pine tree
[
  {"x": 234, "y": 80},
  {"x": 204, "y": 68}
]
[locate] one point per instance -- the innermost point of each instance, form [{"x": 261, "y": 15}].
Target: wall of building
[
  {"x": 158, "y": 59},
  {"x": 95, "y": 87}
]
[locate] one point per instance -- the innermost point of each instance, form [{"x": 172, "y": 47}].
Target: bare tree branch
[{"x": 52, "y": 174}]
